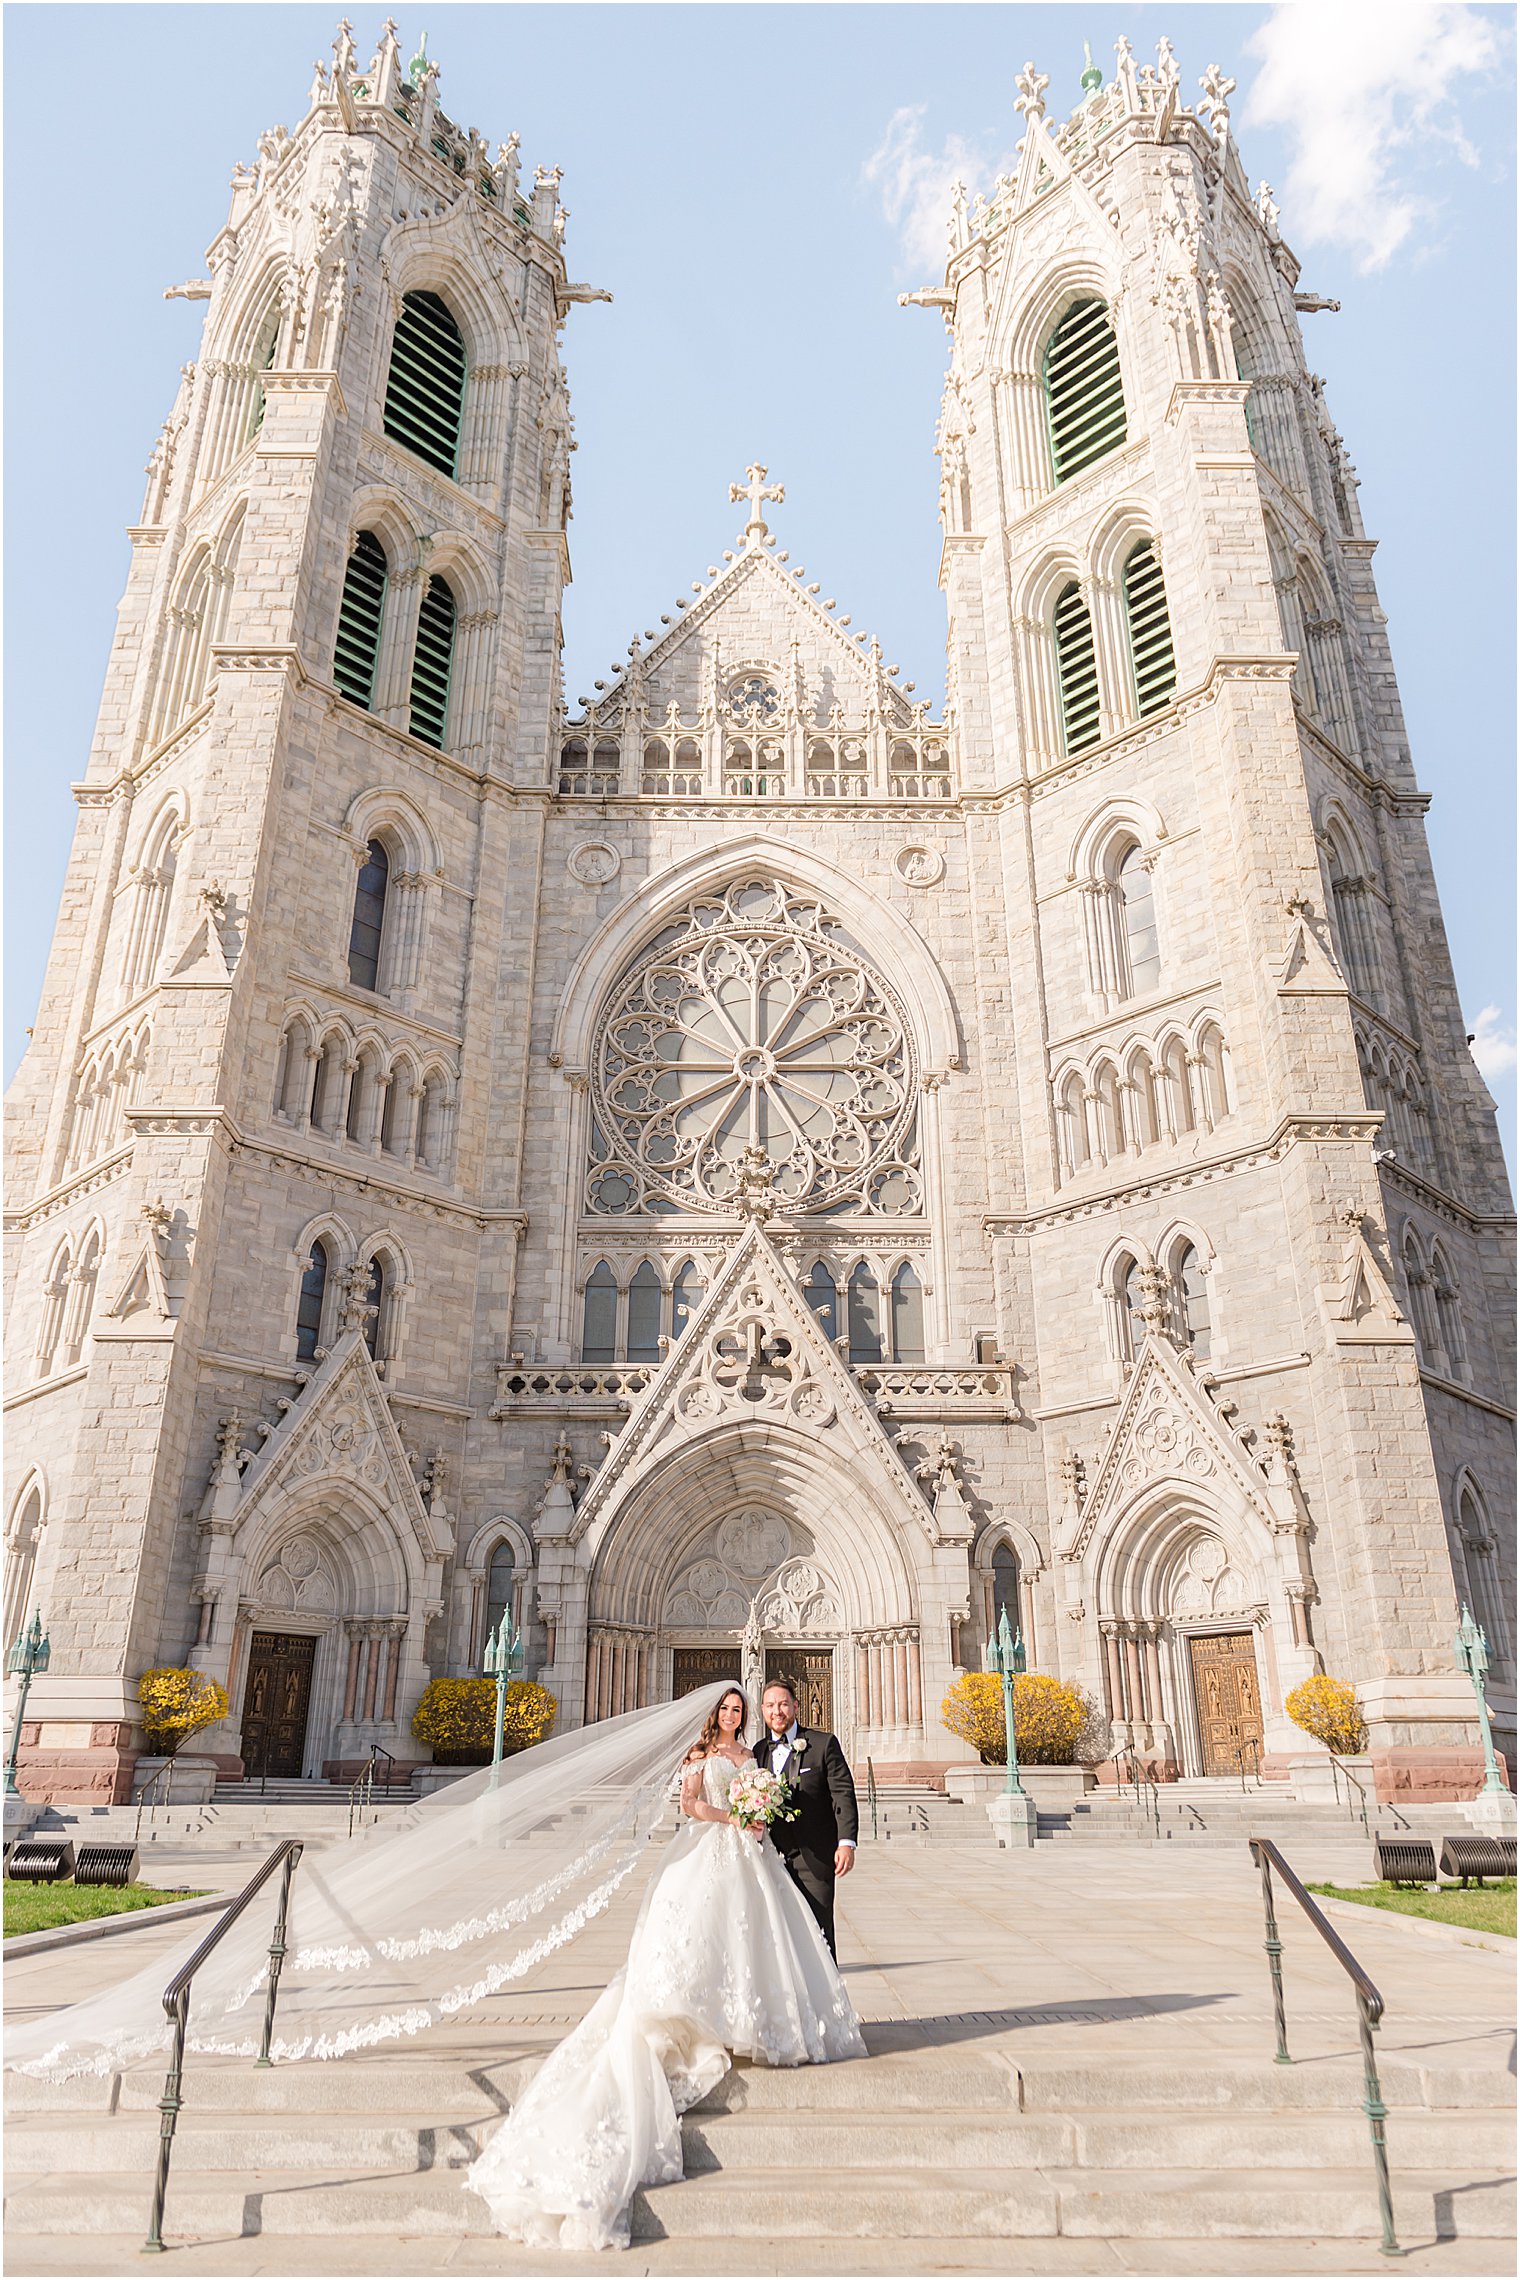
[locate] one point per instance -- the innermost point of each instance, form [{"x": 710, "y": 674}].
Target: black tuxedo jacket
[{"x": 816, "y": 1769}]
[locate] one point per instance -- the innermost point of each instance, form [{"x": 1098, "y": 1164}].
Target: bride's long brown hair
[{"x": 711, "y": 1736}]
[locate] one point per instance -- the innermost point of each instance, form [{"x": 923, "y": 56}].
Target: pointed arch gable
[
  {"x": 903, "y": 955},
  {"x": 386, "y": 808}
]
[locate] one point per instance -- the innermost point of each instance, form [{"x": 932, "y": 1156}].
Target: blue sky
[{"x": 756, "y": 184}]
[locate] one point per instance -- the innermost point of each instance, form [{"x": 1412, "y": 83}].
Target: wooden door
[
  {"x": 702, "y": 1666},
  {"x": 1229, "y": 1700},
  {"x": 811, "y": 1671},
  {"x": 276, "y": 1703}
]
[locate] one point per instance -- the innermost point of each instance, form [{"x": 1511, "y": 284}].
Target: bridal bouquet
[{"x": 757, "y": 1798}]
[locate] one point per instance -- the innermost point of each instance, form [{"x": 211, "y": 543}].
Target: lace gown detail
[{"x": 725, "y": 1957}]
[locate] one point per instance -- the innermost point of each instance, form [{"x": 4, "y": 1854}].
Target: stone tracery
[{"x": 753, "y": 1021}]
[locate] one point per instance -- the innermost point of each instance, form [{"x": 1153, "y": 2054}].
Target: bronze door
[
  {"x": 276, "y": 1702},
  {"x": 702, "y": 1666},
  {"x": 1229, "y": 1700},
  {"x": 811, "y": 1671}
]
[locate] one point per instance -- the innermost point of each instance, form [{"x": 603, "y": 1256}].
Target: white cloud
[
  {"x": 1361, "y": 90},
  {"x": 1493, "y": 1045},
  {"x": 915, "y": 184}
]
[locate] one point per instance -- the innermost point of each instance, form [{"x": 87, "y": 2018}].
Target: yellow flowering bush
[
  {"x": 457, "y": 1716},
  {"x": 1327, "y": 1708},
  {"x": 174, "y": 1703},
  {"x": 1055, "y": 1723}
]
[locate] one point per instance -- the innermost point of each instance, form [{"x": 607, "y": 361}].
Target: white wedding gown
[{"x": 725, "y": 1956}]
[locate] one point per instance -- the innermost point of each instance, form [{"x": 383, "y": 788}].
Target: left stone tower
[{"x": 253, "y": 1239}]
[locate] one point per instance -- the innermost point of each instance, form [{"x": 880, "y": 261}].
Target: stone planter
[
  {"x": 193, "y": 1781},
  {"x": 1054, "y": 1788}
]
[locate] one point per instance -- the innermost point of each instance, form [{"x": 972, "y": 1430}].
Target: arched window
[
  {"x": 55, "y": 1292},
  {"x": 1131, "y": 1313},
  {"x": 1137, "y": 895},
  {"x": 377, "y": 1291},
  {"x": 327, "y": 1086},
  {"x": 865, "y": 1315},
  {"x": 501, "y": 1595},
  {"x": 907, "y": 1315},
  {"x": 21, "y": 1564},
  {"x": 357, "y": 649},
  {"x": 1005, "y": 1589},
  {"x": 1179, "y": 1090},
  {"x": 393, "y": 1116},
  {"x": 1351, "y": 915},
  {"x": 822, "y": 1294},
  {"x": 150, "y": 908},
  {"x": 82, "y": 1298},
  {"x": 361, "y": 1100},
  {"x": 1110, "y": 1113},
  {"x": 645, "y": 1306},
  {"x": 1448, "y": 1311},
  {"x": 1193, "y": 1302},
  {"x": 1084, "y": 391},
  {"x": 1140, "y": 1077},
  {"x": 292, "y": 1082},
  {"x": 1213, "y": 1073},
  {"x": 1072, "y": 1109},
  {"x": 686, "y": 1295},
  {"x": 369, "y": 917},
  {"x": 309, "y": 1304},
  {"x": 599, "y": 1324},
  {"x": 424, "y": 395},
  {"x": 433, "y": 663},
  {"x": 1076, "y": 670},
  {"x": 1422, "y": 1306},
  {"x": 1150, "y": 631},
  {"x": 261, "y": 362},
  {"x": 1486, "y": 1596}
]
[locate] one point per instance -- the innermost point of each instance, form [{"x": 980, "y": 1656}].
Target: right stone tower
[{"x": 1251, "y": 1142}]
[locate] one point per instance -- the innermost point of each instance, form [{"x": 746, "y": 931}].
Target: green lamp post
[
  {"x": 503, "y": 1662},
  {"x": 1472, "y": 1656},
  {"x": 30, "y": 1654},
  {"x": 1007, "y": 1657}
]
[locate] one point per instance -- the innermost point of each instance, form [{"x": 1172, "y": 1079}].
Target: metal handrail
[
  {"x": 1369, "y": 2006},
  {"x": 360, "y": 1791},
  {"x": 1336, "y": 1771},
  {"x": 375, "y": 1751},
  {"x": 165, "y": 1774},
  {"x": 871, "y": 1794},
  {"x": 1240, "y": 1764},
  {"x": 177, "y": 2011}
]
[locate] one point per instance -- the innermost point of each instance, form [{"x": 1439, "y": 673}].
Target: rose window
[
  {"x": 753, "y": 1022},
  {"x": 754, "y": 700}
]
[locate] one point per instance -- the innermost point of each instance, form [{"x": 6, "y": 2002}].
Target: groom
[{"x": 818, "y": 1843}]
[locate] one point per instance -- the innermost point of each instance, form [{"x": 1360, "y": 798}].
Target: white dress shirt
[{"x": 782, "y": 1746}]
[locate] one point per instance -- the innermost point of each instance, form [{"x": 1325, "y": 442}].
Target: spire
[
  {"x": 419, "y": 63},
  {"x": 1092, "y": 77}
]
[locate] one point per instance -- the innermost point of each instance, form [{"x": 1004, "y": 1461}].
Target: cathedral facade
[{"x": 742, "y": 1173}]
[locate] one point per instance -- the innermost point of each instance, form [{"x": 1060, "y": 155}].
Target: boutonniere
[{"x": 799, "y": 1745}]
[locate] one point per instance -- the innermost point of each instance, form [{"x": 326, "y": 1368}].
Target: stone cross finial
[
  {"x": 1167, "y": 71},
  {"x": 159, "y": 1218},
  {"x": 1217, "y": 90},
  {"x": 1268, "y": 208},
  {"x": 357, "y": 1306},
  {"x": 757, "y": 491},
  {"x": 941, "y": 1466},
  {"x": 1031, "y": 85},
  {"x": 344, "y": 56},
  {"x": 562, "y": 1462}
]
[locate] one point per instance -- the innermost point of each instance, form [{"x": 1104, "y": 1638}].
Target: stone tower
[
  {"x": 216, "y": 1074},
  {"x": 751, "y": 1176},
  {"x": 1258, "y": 1174}
]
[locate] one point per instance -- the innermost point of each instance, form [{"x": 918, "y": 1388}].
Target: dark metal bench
[
  {"x": 1404, "y": 1860},
  {"x": 1474, "y": 1858},
  {"x": 105, "y": 1864},
  {"x": 40, "y": 1860}
]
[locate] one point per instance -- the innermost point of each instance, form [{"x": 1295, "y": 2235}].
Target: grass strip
[
  {"x": 40, "y": 1907},
  {"x": 1489, "y": 1908}
]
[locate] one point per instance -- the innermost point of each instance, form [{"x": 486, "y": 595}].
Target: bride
[
  {"x": 725, "y": 1957},
  {"x": 414, "y": 1922}
]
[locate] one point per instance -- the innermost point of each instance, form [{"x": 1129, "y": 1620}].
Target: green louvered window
[
  {"x": 424, "y": 396},
  {"x": 433, "y": 663},
  {"x": 1084, "y": 394},
  {"x": 1076, "y": 670},
  {"x": 1150, "y": 631},
  {"x": 358, "y": 645}
]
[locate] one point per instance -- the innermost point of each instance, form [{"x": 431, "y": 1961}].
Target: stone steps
[{"x": 907, "y": 2145}]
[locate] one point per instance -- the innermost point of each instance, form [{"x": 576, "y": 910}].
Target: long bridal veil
[{"x": 417, "y": 1919}]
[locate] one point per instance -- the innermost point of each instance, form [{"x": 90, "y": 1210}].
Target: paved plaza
[{"x": 1070, "y": 2072}]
